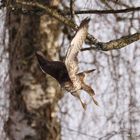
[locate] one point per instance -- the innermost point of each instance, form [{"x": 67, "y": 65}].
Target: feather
[
  {"x": 67, "y": 73},
  {"x": 71, "y": 61},
  {"x": 56, "y": 69}
]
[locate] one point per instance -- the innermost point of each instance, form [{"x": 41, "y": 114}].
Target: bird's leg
[
  {"x": 76, "y": 86},
  {"x": 74, "y": 90},
  {"x": 86, "y": 72},
  {"x": 90, "y": 91},
  {"x": 77, "y": 94}
]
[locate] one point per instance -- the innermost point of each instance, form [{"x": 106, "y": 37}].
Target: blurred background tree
[{"x": 33, "y": 107}]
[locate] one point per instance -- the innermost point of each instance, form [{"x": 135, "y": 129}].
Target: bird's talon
[
  {"x": 95, "y": 102},
  {"x": 84, "y": 105}
]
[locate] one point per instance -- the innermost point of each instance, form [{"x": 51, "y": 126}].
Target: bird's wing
[
  {"x": 71, "y": 61},
  {"x": 56, "y": 69}
]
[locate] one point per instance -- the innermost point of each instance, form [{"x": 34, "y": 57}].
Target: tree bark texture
[{"x": 33, "y": 95}]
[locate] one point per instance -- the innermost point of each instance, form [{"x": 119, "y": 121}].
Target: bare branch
[
  {"x": 132, "y": 9},
  {"x": 114, "y": 44},
  {"x": 57, "y": 16},
  {"x": 51, "y": 12},
  {"x": 72, "y": 12}
]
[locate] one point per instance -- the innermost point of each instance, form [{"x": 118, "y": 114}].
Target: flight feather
[{"x": 71, "y": 61}]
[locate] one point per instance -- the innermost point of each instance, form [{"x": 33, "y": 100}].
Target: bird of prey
[{"x": 66, "y": 73}]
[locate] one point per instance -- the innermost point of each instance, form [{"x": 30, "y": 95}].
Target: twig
[
  {"x": 114, "y": 44},
  {"x": 72, "y": 12},
  {"x": 57, "y": 16},
  {"x": 106, "y": 11}
]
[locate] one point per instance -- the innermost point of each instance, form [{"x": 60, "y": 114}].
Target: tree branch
[
  {"x": 54, "y": 13},
  {"x": 132, "y": 9},
  {"x": 72, "y": 12},
  {"x": 114, "y": 44}
]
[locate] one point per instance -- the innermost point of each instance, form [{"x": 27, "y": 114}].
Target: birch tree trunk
[{"x": 33, "y": 96}]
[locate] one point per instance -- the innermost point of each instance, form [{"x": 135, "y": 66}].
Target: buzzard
[{"x": 66, "y": 73}]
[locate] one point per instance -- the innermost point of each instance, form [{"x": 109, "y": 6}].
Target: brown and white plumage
[
  {"x": 71, "y": 60},
  {"x": 67, "y": 73}
]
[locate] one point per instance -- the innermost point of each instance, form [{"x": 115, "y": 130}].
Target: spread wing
[
  {"x": 56, "y": 69},
  {"x": 71, "y": 61}
]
